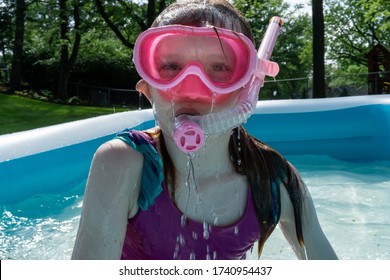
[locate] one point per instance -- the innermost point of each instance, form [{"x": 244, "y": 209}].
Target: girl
[{"x": 197, "y": 186}]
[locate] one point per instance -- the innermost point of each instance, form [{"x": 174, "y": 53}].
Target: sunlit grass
[{"x": 19, "y": 113}]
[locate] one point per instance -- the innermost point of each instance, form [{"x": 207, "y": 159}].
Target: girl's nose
[{"x": 192, "y": 88}]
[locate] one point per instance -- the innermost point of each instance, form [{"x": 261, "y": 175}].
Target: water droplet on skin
[
  {"x": 192, "y": 256},
  {"x": 175, "y": 254},
  {"x": 239, "y": 161},
  {"x": 173, "y": 111},
  {"x": 213, "y": 102},
  {"x": 183, "y": 220},
  {"x": 206, "y": 233},
  {"x": 236, "y": 196},
  {"x": 195, "y": 235},
  {"x": 218, "y": 176},
  {"x": 198, "y": 199},
  {"x": 182, "y": 240},
  {"x": 236, "y": 231},
  {"x": 214, "y": 255},
  {"x": 216, "y": 221}
]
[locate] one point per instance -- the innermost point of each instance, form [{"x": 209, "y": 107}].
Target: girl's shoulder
[
  {"x": 124, "y": 153},
  {"x": 115, "y": 156}
]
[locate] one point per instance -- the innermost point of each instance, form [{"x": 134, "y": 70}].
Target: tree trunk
[
  {"x": 5, "y": 66},
  {"x": 66, "y": 61},
  {"x": 16, "y": 71},
  {"x": 318, "y": 49}
]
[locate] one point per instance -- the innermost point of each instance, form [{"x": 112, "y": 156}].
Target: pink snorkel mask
[{"x": 229, "y": 63}]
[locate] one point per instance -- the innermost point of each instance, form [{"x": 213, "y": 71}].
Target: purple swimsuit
[{"x": 161, "y": 232}]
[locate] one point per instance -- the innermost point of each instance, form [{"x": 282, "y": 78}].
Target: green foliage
[
  {"x": 353, "y": 27},
  {"x": 258, "y": 13},
  {"x": 41, "y": 95},
  {"x": 104, "y": 61},
  {"x": 7, "y": 14},
  {"x": 292, "y": 50},
  {"x": 378, "y": 13},
  {"x": 354, "y": 75},
  {"x": 74, "y": 100}
]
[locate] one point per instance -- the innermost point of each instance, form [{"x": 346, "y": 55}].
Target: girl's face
[
  {"x": 193, "y": 70},
  {"x": 192, "y": 96}
]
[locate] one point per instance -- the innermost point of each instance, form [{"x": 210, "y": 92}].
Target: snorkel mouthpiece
[
  {"x": 189, "y": 130},
  {"x": 188, "y": 135}
]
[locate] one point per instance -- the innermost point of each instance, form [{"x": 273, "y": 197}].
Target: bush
[{"x": 74, "y": 100}]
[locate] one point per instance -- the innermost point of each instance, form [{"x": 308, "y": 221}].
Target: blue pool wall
[{"x": 56, "y": 159}]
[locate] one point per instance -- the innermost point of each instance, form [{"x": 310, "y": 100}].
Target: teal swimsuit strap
[{"x": 152, "y": 170}]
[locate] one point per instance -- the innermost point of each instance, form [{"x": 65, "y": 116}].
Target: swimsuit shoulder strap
[{"x": 152, "y": 171}]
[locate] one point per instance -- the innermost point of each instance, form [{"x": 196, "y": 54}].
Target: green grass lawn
[{"x": 19, "y": 113}]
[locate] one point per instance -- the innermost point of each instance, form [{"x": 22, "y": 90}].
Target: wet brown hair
[{"x": 264, "y": 167}]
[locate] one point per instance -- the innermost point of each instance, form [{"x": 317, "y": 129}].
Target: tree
[
  {"x": 6, "y": 16},
  {"x": 67, "y": 61},
  {"x": 129, "y": 18},
  {"x": 353, "y": 27},
  {"x": 318, "y": 50},
  {"x": 16, "y": 71},
  {"x": 101, "y": 58},
  {"x": 292, "y": 50},
  {"x": 377, "y": 13}
]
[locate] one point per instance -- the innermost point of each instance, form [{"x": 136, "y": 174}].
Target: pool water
[{"x": 352, "y": 202}]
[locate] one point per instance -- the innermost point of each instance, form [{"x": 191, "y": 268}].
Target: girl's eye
[
  {"x": 220, "y": 67},
  {"x": 170, "y": 67},
  {"x": 219, "y": 72},
  {"x": 168, "y": 71}
]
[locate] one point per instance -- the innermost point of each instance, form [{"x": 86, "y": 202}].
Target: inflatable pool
[{"x": 56, "y": 158}]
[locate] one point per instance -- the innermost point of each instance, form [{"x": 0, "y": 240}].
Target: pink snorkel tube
[{"x": 189, "y": 132}]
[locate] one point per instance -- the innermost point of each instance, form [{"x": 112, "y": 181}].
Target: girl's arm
[
  {"x": 110, "y": 199},
  {"x": 316, "y": 244}
]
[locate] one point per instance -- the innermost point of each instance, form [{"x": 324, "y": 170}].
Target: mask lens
[
  {"x": 215, "y": 58},
  {"x": 220, "y": 59}
]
